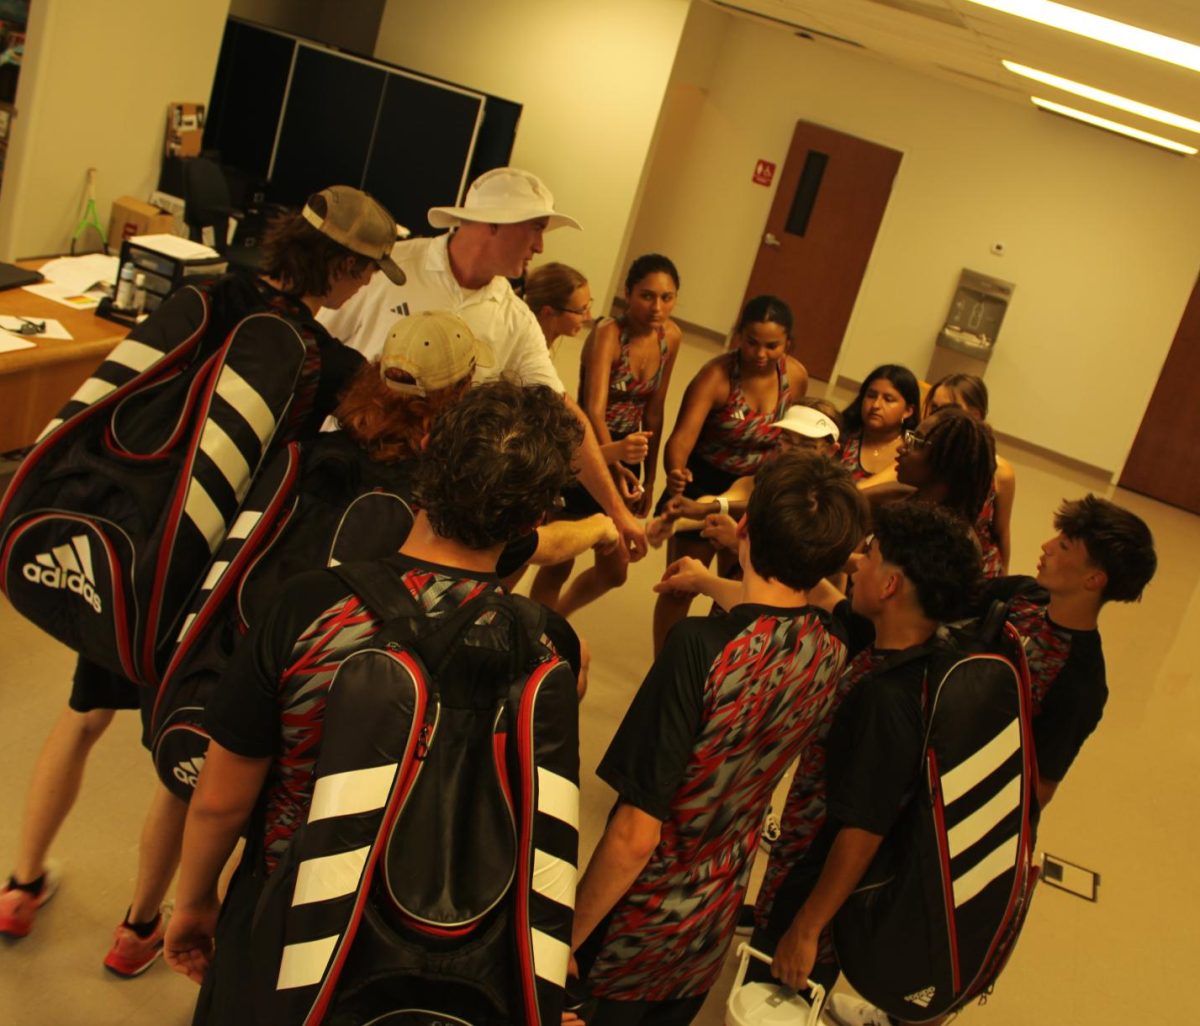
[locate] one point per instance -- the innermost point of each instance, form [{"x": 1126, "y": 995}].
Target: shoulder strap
[
  {"x": 991, "y": 624},
  {"x": 376, "y": 585},
  {"x": 520, "y": 619}
]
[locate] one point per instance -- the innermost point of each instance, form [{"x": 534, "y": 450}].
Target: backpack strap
[
  {"x": 991, "y": 624},
  {"x": 375, "y": 584}
]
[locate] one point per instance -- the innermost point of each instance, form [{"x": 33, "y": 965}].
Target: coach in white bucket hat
[
  {"x": 505, "y": 195},
  {"x": 497, "y": 230}
]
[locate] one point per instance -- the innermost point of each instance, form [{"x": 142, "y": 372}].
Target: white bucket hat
[{"x": 504, "y": 195}]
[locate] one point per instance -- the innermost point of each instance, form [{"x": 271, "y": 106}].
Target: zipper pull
[{"x": 423, "y": 743}]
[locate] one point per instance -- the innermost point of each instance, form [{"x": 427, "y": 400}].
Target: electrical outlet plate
[{"x": 1070, "y": 877}]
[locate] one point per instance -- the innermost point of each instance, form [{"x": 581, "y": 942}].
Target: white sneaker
[{"x": 851, "y": 1011}]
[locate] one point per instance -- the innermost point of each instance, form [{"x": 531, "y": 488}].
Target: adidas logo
[
  {"x": 66, "y": 566},
  {"x": 187, "y": 771},
  {"x": 922, "y": 997}
]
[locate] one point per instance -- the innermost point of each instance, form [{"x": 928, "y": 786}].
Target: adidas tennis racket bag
[
  {"x": 315, "y": 504},
  {"x": 111, "y": 521},
  {"x": 937, "y": 913},
  {"x": 434, "y": 879}
]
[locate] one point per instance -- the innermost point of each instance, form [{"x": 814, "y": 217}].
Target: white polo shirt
[{"x": 494, "y": 313}]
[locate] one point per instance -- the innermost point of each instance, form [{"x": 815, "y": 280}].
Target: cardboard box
[
  {"x": 185, "y": 129},
  {"x": 132, "y": 217}
]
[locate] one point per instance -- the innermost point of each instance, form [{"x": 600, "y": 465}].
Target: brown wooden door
[
  {"x": 831, "y": 197},
  {"x": 1164, "y": 462}
]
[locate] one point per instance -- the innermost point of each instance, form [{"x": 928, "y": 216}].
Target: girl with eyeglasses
[
  {"x": 560, "y": 299},
  {"x": 887, "y": 404},
  {"x": 625, "y": 370}
]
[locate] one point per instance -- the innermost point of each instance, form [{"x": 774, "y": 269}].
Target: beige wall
[
  {"x": 94, "y": 93},
  {"x": 1102, "y": 235},
  {"x": 591, "y": 77}
]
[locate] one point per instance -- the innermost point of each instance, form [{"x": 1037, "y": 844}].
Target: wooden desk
[{"x": 34, "y": 383}]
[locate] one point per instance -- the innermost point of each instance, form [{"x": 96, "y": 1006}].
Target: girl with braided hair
[
  {"x": 950, "y": 461},
  {"x": 994, "y": 527}
]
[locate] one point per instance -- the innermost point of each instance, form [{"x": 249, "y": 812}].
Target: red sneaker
[
  {"x": 19, "y": 908},
  {"x": 131, "y": 955}
]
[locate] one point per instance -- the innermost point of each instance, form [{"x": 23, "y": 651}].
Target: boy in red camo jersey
[{"x": 728, "y": 704}]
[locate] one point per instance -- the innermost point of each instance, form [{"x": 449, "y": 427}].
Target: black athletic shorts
[
  {"x": 706, "y": 480},
  {"x": 95, "y": 687},
  {"x": 578, "y": 503}
]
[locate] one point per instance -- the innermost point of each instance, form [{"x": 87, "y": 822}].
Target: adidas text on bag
[{"x": 67, "y": 566}]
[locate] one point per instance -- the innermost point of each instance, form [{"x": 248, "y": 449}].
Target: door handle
[{"x": 770, "y": 240}]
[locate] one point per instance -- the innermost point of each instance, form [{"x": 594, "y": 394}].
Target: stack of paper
[
  {"x": 174, "y": 246},
  {"x": 80, "y": 282}
]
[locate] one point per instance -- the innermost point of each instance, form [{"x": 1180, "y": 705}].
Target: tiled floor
[{"x": 1128, "y": 809}]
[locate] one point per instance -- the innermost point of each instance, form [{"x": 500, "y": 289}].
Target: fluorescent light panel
[
  {"x": 1100, "y": 96},
  {"x": 1105, "y": 30},
  {"x": 1114, "y": 126}
]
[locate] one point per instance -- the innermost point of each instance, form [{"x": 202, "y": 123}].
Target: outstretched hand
[
  {"x": 632, "y": 532},
  {"x": 681, "y": 506},
  {"x": 629, "y": 485},
  {"x": 677, "y": 480},
  {"x": 720, "y": 529},
  {"x": 686, "y": 576},
  {"x": 635, "y": 447}
]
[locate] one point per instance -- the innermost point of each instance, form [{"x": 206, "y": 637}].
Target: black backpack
[
  {"x": 315, "y": 504},
  {"x": 113, "y": 517},
  {"x": 937, "y": 913},
  {"x": 433, "y": 880}
]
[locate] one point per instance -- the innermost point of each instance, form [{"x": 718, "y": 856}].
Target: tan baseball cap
[
  {"x": 430, "y": 351},
  {"x": 357, "y": 221}
]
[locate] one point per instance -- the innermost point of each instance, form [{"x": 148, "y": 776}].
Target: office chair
[{"x": 207, "y": 204}]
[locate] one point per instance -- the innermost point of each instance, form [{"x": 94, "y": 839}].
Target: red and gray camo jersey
[{"x": 768, "y": 692}]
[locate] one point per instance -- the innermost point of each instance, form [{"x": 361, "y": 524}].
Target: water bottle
[
  {"x": 123, "y": 300},
  {"x": 139, "y": 292}
]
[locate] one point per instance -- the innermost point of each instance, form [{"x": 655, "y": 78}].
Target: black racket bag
[
  {"x": 937, "y": 913},
  {"x": 112, "y": 520},
  {"x": 433, "y": 881},
  {"x": 315, "y": 504}
]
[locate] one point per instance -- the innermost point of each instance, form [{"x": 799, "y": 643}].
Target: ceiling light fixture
[
  {"x": 1105, "y": 30},
  {"x": 1113, "y": 126},
  {"x": 1142, "y": 110}
]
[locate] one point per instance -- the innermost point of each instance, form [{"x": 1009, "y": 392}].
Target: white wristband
[{"x": 723, "y": 506}]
